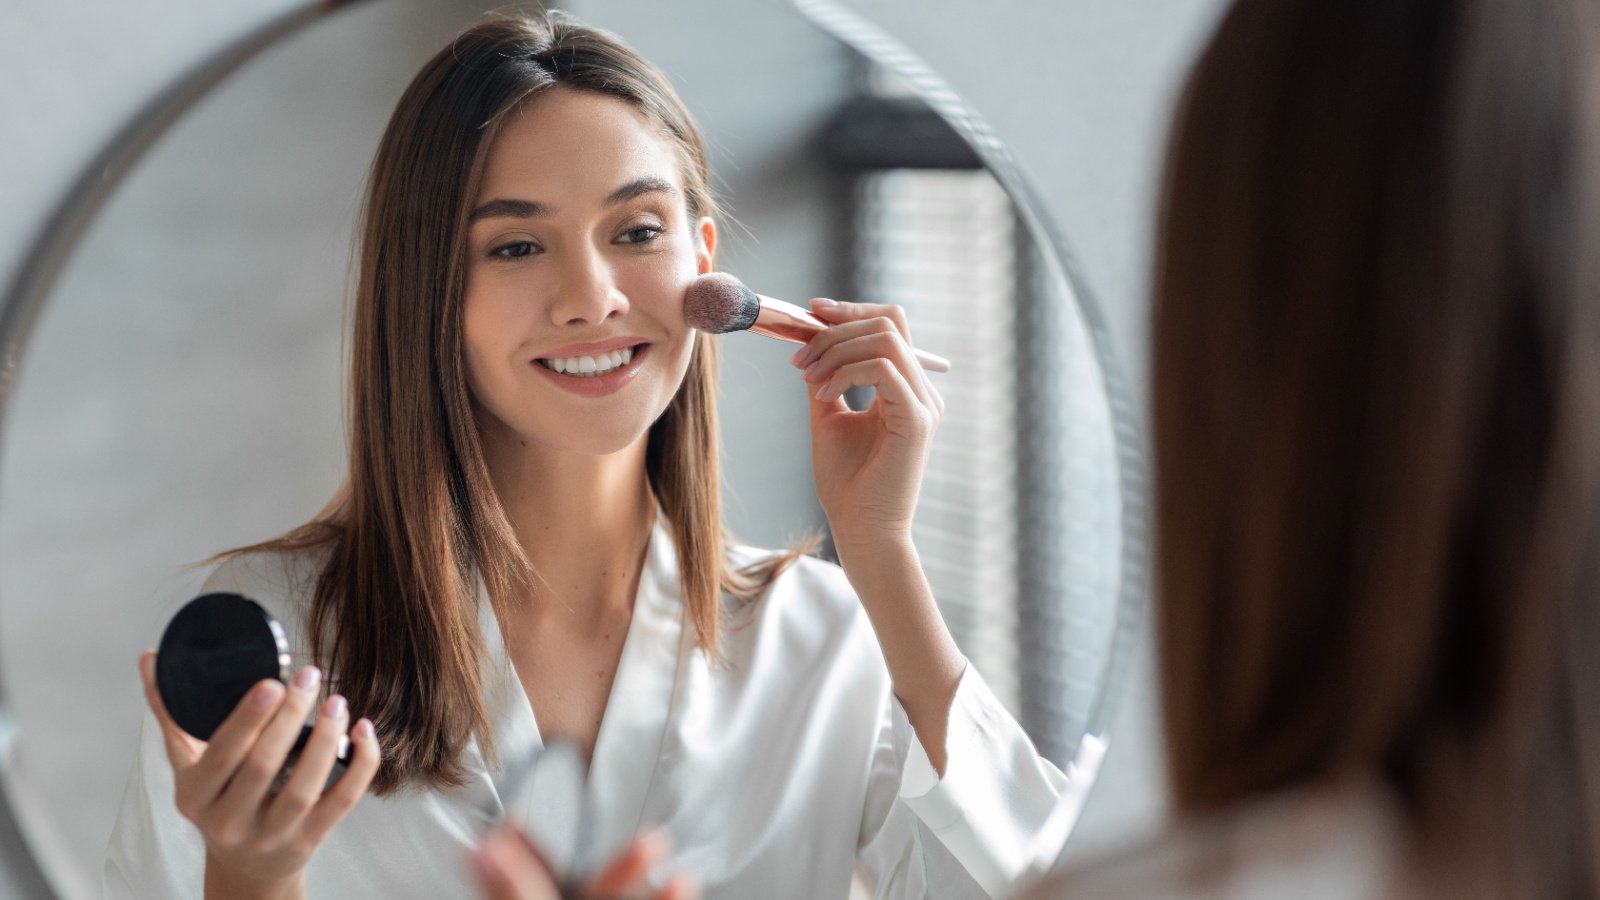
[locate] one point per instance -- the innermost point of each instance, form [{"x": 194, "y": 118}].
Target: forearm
[
  {"x": 222, "y": 885},
  {"x": 924, "y": 662}
]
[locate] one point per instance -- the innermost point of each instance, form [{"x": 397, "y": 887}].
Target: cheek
[
  {"x": 657, "y": 285},
  {"x": 485, "y": 327}
]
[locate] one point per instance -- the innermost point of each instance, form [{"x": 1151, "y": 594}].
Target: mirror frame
[
  {"x": 1133, "y": 596},
  {"x": 39, "y": 870}
]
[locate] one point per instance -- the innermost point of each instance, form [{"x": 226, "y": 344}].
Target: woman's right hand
[
  {"x": 257, "y": 845},
  {"x": 510, "y": 867}
]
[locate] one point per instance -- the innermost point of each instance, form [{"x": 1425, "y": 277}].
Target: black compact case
[{"x": 214, "y": 650}]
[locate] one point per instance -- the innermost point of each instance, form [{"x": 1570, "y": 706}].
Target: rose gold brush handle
[{"x": 783, "y": 320}]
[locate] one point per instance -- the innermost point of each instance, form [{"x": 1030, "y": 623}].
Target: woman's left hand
[{"x": 868, "y": 464}]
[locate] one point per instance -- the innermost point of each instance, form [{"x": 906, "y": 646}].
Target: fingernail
[
  {"x": 804, "y": 356},
  {"x": 822, "y": 392},
  {"x": 308, "y": 678},
  {"x": 265, "y": 694},
  {"x": 809, "y": 369},
  {"x": 334, "y": 707},
  {"x": 799, "y": 355},
  {"x": 364, "y": 730},
  {"x": 823, "y": 302}
]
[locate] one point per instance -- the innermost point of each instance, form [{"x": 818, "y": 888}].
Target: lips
[
  {"x": 593, "y": 348},
  {"x": 593, "y": 374}
]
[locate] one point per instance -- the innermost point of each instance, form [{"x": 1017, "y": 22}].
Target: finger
[
  {"x": 351, "y": 786},
  {"x": 834, "y": 334},
  {"x": 205, "y": 781},
  {"x": 183, "y": 750},
  {"x": 833, "y": 312},
  {"x": 305, "y": 786},
  {"x": 680, "y": 887},
  {"x": 899, "y": 403},
  {"x": 506, "y": 869},
  {"x": 242, "y": 797},
  {"x": 627, "y": 872},
  {"x": 876, "y": 345}
]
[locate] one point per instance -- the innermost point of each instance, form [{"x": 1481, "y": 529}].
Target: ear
[{"x": 706, "y": 253}]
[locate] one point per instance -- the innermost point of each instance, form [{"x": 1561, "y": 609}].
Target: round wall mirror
[{"x": 174, "y": 383}]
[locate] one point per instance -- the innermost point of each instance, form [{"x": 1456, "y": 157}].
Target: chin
[
  {"x": 598, "y": 434},
  {"x": 597, "y": 443}
]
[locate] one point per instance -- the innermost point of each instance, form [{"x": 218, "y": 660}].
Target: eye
[
  {"x": 642, "y": 234},
  {"x": 514, "y": 249}
]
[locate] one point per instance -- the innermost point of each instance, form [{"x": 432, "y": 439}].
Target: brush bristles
[{"x": 718, "y": 303}]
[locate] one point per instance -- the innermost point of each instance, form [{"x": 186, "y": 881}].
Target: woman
[
  {"x": 529, "y": 547},
  {"x": 1377, "y": 457}
]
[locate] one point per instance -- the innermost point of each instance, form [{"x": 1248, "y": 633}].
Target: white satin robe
[{"x": 775, "y": 772}]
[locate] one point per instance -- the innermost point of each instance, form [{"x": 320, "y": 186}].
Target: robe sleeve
[
  {"x": 970, "y": 833},
  {"x": 154, "y": 852}
]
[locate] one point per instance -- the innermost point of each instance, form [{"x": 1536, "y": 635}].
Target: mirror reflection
[{"x": 182, "y": 396}]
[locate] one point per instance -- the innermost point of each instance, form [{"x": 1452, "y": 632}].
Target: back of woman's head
[{"x": 1376, "y": 407}]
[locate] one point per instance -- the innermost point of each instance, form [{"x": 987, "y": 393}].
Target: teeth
[{"x": 589, "y": 366}]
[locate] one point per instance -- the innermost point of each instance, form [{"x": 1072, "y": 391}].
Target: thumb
[{"x": 183, "y": 751}]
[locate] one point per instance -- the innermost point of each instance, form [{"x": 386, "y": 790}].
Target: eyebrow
[
  {"x": 531, "y": 209},
  {"x": 638, "y": 187}
]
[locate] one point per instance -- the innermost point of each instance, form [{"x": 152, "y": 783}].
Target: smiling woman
[
  {"x": 562, "y": 259},
  {"x": 529, "y": 546}
]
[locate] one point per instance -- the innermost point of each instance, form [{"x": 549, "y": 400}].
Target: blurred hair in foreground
[{"x": 1376, "y": 407}]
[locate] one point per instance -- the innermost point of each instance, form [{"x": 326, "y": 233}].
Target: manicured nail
[
  {"x": 798, "y": 356},
  {"x": 822, "y": 392},
  {"x": 364, "y": 730},
  {"x": 265, "y": 694},
  {"x": 334, "y": 707},
  {"x": 823, "y": 302},
  {"x": 811, "y": 368},
  {"x": 804, "y": 356},
  {"x": 308, "y": 678}
]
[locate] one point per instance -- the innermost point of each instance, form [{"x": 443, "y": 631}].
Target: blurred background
[{"x": 180, "y": 393}]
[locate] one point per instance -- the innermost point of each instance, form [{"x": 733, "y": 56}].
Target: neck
[{"x": 583, "y": 521}]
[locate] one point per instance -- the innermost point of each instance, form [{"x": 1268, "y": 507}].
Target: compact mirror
[
  {"x": 214, "y": 650},
  {"x": 212, "y": 653},
  {"x": 174, "y": 365}
]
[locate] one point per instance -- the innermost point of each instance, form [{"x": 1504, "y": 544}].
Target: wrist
[
  {"x": 867, "y": 542},
  {"x": 220, "y": 882}
]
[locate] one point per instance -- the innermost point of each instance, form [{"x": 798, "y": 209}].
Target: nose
[{"x": 588, "y": 293}]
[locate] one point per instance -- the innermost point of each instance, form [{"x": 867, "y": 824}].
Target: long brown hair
[
  {"x": 1376, "y": 408},
  {"x": 394, "y": 614}
]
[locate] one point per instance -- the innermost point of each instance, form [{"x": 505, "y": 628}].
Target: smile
[
  {"x": 590, "y": 366},
  {"x": 596, "y": 374}
]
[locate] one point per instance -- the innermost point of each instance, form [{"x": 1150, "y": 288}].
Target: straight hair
[{"x": 417, "y": 526}]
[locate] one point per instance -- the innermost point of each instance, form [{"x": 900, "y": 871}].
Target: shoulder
[
  {"x": 1332, "y": 843},
  {"x": 283, "y": 582},
  {"x": 810, "y": 596},
  {"x": 808, "y": 579}
]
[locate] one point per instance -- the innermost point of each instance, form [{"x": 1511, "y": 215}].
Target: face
[{"x": 580, "y": 251}]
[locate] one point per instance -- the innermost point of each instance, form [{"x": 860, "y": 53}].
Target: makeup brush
[{"x": 718, "y": 303}]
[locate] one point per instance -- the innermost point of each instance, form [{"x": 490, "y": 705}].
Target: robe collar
[{"x": 627, "y": 749}]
